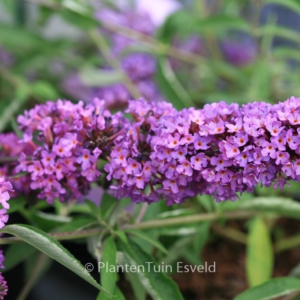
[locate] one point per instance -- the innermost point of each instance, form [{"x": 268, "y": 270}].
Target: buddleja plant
[{"x": 166, "y": 161}]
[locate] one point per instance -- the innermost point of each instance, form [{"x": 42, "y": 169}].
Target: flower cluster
[
  {"x": 3, "y": 287},
  {"x": 161, "y": 153},
  {"x": 5, "y": 190},
  {"x": 220, "y": 150},
  {"x": 3, "y": 284},
  {"x": 11, "y": 146},
  {"x": 130, "y": 163},
  {"x": 68, "y": 140}
]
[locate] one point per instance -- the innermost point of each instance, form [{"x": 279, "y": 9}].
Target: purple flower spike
[{"x": 220, "y": 150}]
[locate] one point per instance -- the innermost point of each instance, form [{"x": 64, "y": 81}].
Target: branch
[
  {"x": 191, "y": 219},
  {"x": 157, "y": 46},
  {"x": 59, "y": 236},
  {"x": 106, "y": 52},
  {"x": 73, "y": 235}
]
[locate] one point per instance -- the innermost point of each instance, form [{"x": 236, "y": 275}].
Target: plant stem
[
  {"x": 19, "y": 83},
  {"x": 64, "y": 236},
  {"x": 10, "y": 77},
  {"x": 157, "y": 46},
  {"x": 38, "y": 269},
  {"x": 230, "y": 233},
  {"x": 113, "y": 61},
  {"x": 191, "y": 219},
  {"x": 292, "y": 296},
  {"x": 61, "y": 236},
  {"x": 8, "y": 159},
  {"x": 287, "y": 243},
  {"x": 141, "y": 213}
]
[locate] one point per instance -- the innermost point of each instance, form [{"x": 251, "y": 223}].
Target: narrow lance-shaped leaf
[
  {"x": 108, "y": 268},
  {"x": 278, "y": 31},
  {"x": 48, "y": 245},
  {"x": 76, "y": 224},
  {"x": 15, "y": 254},
  {"x": 281, "y": 206},
  {"x": 137, "y": 287},
  {"x": 272, "y": 289},
  {"x": 157, "y": 284},
  {"x": 259, "y": 261},
  {"x": 170, "y": 86},
  {"x": 143, "y": 236},
  {"x": 94, "y": 77},
  {"x": 290, "y": 4}
]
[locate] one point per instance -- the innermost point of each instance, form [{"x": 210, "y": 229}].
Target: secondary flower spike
[{"x": 159, "y": 152}]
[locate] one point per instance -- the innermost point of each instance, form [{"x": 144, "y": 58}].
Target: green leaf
[
  {"x": 275, "y": 30},
  {"x": 47, "y": 221},
  {"x": 137, "y": 287},
  {"x": 290, "y": 4},
  {"x": 141, "y": 235},
  {"x": 281, "y": 206},
  {"x": 286, "y": 53},
  {"x": 79, "y": 19},
  {"x": 79, "y": 223},
  {"x": 122, "y": 236},
  {"x": 157, "y": 284},
  {"x": 15, "y": 254},
  {"x": 260, "y": 82},
  {"x": 259, "y": 260},
  {"x": 295, "y": 271},
  {"x": 178, "y": 230},
  {"x": 201, "y": 236},
  {"x": 272, "y": 289},
  {"x": 35, "y": 266},
  {"x": 96, "y": 77},
  {"x": 222, "y": 22},
  {"x": 193, "y": 253},
  {"x": 207, "y": 203},
  {"x": 13, "y": 36},
  {"x": 175, "y": 213},
  {"x": 81, "y": 208},
  {"x": 119, "y": 294},
  {"x": 76, "y": 6},
  {"x": 10, "y": 6},
  {"x": 108, "y": 271},
  {"x": 107, "y": 204},
  {"x": 178, "y": 249},
  {"x": 184, "y": 23},
  {"x": 79, "y": 13},
  {"x": 44, "y": 90},
  {"x": 94, "y": 209},
  {"x": 180, "y": 22},
  {"x": 170, "y": 86},
  {"x": 229, "y": 72},
  {"x": 10, "y": 110},
  {"x": 16, "y": 204},
  {"x": 48, "y": 245}
]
